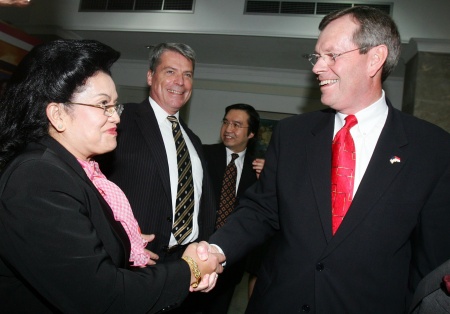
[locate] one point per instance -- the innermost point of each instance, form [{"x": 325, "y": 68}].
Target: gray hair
[
  {"x": 159, "y": 49},
  {"x": 376, "y": 28}
]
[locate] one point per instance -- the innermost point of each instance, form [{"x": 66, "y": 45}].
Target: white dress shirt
[
  {"x": 197, "y": 170},
  {"x": 365, "y": 134}
]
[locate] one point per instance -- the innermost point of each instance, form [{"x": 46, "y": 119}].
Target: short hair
[
  {"x": 375, "y": 28},
  {"x": 159, "y": 49},
  {"x": 253, "y": 117},
  {"x": 50, "y": 72}
]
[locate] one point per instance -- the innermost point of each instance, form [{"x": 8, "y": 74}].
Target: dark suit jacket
[
  {"x": 139, "y": 166},
  {"x": 216, "y": 159},
  {"x": 431, "y": 296},
  {"x": 395, "y": 232},
  {"x": 61, "y": 249}
]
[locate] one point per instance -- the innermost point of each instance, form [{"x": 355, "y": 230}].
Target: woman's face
[{"x": 87, "y": 130}]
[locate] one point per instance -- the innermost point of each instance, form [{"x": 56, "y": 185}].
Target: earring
[{"x": 59, "y": 126}]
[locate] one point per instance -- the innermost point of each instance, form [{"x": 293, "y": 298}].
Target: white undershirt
[
  {"x": 365, "y": 134},
  {"x": 165, "y": 127}
]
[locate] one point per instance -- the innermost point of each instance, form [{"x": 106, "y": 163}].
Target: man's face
[
  {"x": 235, "y": 138},
  {"x": 345, "y": 86},
  {"x": 171, "y": 82}
]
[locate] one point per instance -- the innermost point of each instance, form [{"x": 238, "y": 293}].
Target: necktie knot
[
  {"x": 234, "y": 156},
  {"x": 350, "y": 121},
  {"x": 174, "y": 121}
]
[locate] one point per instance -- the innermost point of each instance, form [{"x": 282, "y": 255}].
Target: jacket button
[
  {"x": 306, "y": 308},
  {"x": 320, "y": 267}
]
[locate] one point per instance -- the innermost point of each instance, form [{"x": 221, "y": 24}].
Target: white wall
[{"x": 215, "y": 88}]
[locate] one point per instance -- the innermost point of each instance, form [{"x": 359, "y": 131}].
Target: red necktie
[{"x": 342, "y": 172}]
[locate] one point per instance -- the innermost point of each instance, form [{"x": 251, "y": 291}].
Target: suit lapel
[
  {"x": 379, "y": 174},
  {"x": 248, "y": 175},
  {"x": 66, "y": 157},
  {"x": 318, "y": 154},
  {"x": 148, "y": 125}
]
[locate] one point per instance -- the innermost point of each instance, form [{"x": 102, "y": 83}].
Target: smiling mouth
[
  {"x": 174, "y": 92},
  {"x": 327, "y": 82}
]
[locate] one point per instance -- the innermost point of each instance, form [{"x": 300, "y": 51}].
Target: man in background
[
  {"x": 231, "y": 165},
  {"x": 159, "y": 163}
]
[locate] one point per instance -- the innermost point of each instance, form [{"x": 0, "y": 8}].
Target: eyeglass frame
[
  {"x": 118, "y": 108},
  {"x": 332, "y": 56},
  {"x": 234, "y": 125}
]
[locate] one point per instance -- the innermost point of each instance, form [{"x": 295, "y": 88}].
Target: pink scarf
[{"x": 121, "y": 208}]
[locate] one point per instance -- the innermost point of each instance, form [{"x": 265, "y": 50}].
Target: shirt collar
[
  {"x": 160, "y": 113},
  {"x": 368, "y": 117},
  {"x": 241, "y": 154}
]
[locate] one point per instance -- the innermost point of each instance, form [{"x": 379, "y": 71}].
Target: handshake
[{"x": 205, "y": 262}]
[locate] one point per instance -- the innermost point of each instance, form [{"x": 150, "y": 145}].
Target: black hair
[
  {"x": 253, "y": 116},
  {"x": 50, "y": 72}
]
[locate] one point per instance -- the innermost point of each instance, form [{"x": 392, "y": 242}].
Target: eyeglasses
[
  {"x": 329, "y": 58},
  {"x": 108, "y": 110},
  {"x": 234, "y": 125}
]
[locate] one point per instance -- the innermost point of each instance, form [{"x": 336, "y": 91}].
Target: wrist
[{"x": 194, "y": 270}]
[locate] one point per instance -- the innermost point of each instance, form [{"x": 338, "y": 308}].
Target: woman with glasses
[{"x": 68, "y": 237}]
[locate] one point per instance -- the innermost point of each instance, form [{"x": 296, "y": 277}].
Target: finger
[
  {"x": 203, "y": 250},
  {"x": 153, "y": 256},
  {"x": 148, "y": 237},
  {"x": 202, "y": 285}
]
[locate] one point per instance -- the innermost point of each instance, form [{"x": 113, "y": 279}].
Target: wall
[{"x": 216, "y": 87}]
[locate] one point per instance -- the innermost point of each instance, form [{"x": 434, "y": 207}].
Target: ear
[
  {"x": 251, "y": 135},
  {"x": 55, "y": 114},
  {"x": 377, "y": 58},
  {"x": 149, "y": 77}
]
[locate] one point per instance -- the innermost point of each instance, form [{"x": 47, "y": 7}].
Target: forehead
[
  {"x": 98, "y": 84},
  {"x": 174, "y": 59},
  {"x": 338, "y": 34},
  {"x": 237, "y": 115}
]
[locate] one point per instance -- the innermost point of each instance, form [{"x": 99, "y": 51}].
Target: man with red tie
[{"x": 358, "y": 216}]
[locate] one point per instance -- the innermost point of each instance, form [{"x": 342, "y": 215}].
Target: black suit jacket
[
  {"x": 61, "y": 249},
  {"x": 139, "y": 166},
  {"x": 431, "y": 296},
  {"x": 216, "y": 159},
  {"x": 395, "y": 232}
]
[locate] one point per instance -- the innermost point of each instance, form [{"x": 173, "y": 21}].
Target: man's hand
[
  {"x": 153, "y": 256},
  {"x": 209, "y": 261}
]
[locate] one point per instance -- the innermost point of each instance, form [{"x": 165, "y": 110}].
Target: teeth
[
  {"x": 174, "y": 91},
  {"x": 325, "y": 82}
]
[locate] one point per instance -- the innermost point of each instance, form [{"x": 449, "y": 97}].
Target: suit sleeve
[
  {"x": 47, "y": 236},
  {"x": 256, "y": 217}
]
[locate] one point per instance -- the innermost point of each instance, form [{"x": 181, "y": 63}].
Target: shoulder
[{"x": 213, "y": 147}]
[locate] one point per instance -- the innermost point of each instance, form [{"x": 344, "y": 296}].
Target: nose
[
  {"x": 179, "y": 79},
  {"x": 115, "y": 118},
  {"x": 320, "y": 66}
]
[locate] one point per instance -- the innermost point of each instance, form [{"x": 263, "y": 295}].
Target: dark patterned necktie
[
  {"x": 184, "y": 210},
  {"x": 228, "y": 192},
  {"x": 342, "y": 172}
]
